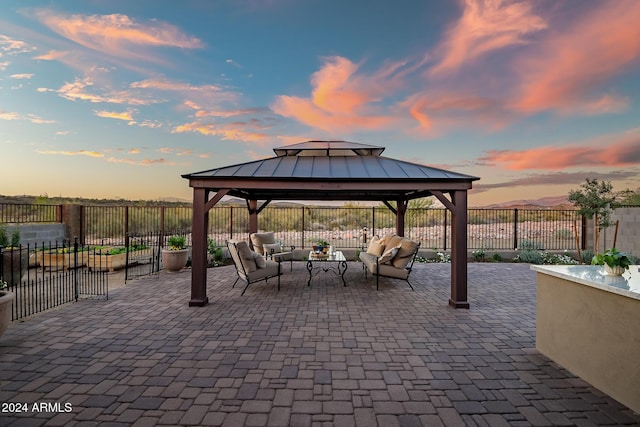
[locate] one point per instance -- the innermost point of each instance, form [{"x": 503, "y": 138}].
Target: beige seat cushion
[
  {"x": 246, "y": 257},
  {"x": 271, "y": 248}
]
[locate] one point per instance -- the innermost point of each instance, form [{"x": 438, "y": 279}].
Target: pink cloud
[
  {"x": 578, "y": 59},
  {"x": 78, "y": 90},
  {"x": 125, "y": 115},
  {"x": 224, "y": 131},
  {"x": 485, "y": 26},
  {"x": 116, "y": 34},
  {"x": 52, "y": 55},
  {"x": 624, "y": 152},
  {"x": 342, "y": 99},
  {"x": 72, "y": 153}
]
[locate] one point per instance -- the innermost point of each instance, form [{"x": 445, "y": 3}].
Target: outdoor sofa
[{"x": 391, "y": 256}]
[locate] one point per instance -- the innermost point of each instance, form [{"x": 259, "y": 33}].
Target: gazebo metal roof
[
  {"x": 302, "y": 166},
  {"x": 330, "y": 170}
]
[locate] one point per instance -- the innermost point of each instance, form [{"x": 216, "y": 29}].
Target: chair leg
[
  {"x": 234, "y": 283},
  {"x": 410, "y": 285},
  {"x": 245, "y": 289},
  {"x": 377, "y": 282}
]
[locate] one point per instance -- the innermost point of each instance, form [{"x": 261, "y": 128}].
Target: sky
[{"x": 119, "y": 98}]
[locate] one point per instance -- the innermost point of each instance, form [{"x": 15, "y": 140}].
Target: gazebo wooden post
[
  {"x": 459, "y": 250},
  {"x": 401, "y": 209},
  {"x": 199, "y": 248},
  {"x": 253, "y": 216}
]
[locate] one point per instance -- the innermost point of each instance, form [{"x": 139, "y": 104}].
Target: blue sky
[{"x": 108, "y": 99}]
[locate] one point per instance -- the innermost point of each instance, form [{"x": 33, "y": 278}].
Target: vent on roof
[{"x": 328, "y": 148}]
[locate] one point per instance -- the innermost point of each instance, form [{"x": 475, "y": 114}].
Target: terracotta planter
[
  {"x": 614, "y": 271},
  {"x": 15, "y": 263},
  {"x": 5, "y": 310},
  {"x": 173, "y": 261}
]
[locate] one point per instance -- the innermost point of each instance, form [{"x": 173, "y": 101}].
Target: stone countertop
[{"x": 627, "y": 285}]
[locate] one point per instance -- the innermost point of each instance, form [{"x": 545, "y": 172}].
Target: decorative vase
[
  {"x": 5, "y": 310},
  {"x": 15, "y": 263},
  {"x": 174, "y": 260},
  {"x": 615, "y": 270}
]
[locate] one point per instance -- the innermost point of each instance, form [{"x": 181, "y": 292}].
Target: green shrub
[
  {"x": 530, "y": 245},
  {"x": 587, "y": 256},
  {"x": 529, "y": 256},
  {"x": 497, "y": 257}
]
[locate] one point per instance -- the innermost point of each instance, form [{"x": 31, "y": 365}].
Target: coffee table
[{"x": 335, "y": 262}]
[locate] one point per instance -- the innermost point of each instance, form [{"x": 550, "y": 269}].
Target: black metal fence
[
  {"x": 346, "y": 227},
  {"x": 43, "y": 277},
  {"x": 29, "y": 213}
]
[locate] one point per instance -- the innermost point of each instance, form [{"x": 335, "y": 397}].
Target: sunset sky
[{"x": 118, "y": 98}]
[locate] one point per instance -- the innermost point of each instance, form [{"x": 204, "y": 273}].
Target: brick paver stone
[{"x": 320, "y": 355}]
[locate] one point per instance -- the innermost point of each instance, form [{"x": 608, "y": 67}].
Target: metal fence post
[
  {"x": 515, "y": 228},
  {"x": 303, "y": 228},
  {"x": 75, "y": 268},
  {"x": 444, "y": 235}
]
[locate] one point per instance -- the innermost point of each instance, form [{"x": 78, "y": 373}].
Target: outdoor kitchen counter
[{"x": 589, "y": 323}]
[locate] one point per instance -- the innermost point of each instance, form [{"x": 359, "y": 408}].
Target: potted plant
[
  {"x": 15, "y": 259},
  {"x": 322, "y": 245},
  {"x": 5, "y": 306},
  {"x": 175, "y": 255},
  {"x": 614, "y": 261}
]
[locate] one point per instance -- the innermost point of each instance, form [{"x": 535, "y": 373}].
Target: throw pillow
[
  {"x": 394, "y": 241},
  {"x": 388, "y": 255},
  {"x": 407, "y": 247},
  {"x": 375, "y": 249},
  {"x": 385, "y": 239},
  {"x": 260, "y": 261},
  {"x": 270, "y": 248}
]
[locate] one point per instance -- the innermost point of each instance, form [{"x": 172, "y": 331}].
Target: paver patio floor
[{"x": 305, "y": 356}]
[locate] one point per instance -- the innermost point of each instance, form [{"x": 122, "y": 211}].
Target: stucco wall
[
  {"x": 593, "y": 333},
  {"x": 628, "y": 239}
]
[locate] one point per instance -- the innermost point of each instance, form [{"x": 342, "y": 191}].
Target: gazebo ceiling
[{"x": 329, "y": 170}]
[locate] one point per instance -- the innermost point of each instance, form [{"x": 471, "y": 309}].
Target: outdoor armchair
[
  {"x": 250, "y": 266},
  {"x": 265, "y": 244}
]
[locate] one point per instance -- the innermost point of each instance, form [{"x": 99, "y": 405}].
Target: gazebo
[{"x": 330, "y": 170}]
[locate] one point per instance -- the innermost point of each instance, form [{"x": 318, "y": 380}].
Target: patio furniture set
[{"x": 391, "y": 256}]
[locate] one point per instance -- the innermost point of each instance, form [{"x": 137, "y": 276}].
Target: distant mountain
[
  {"x": 173, "y": 200},
  {"x": 556, "y": 202}
]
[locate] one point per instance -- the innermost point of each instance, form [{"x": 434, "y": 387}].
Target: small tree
[{"x": 594, "y": 201}]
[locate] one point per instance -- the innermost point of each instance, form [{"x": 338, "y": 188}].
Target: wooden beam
[
  {"x": 459, "y": 251},
  {"x": 390, "y": 206},
  {"x": 331, "y": 186},
  {"x": 446, "y": 202},
  {"x": 215, "y": 199},
  {"x": 264, "y": 205},
  {"x": 199, "y": 226}
]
